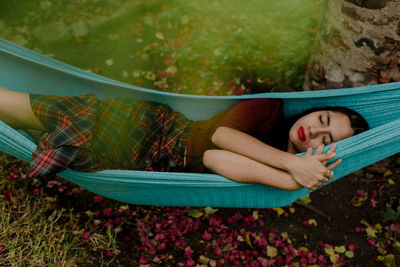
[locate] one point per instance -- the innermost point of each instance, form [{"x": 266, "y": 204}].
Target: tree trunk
[{"x": 358, "y": 43}]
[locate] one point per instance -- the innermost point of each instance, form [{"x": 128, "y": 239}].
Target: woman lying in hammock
[{"x": 251, "y": 142}]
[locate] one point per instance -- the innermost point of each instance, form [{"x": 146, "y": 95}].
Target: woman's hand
[{"x": 310, "y": 171}]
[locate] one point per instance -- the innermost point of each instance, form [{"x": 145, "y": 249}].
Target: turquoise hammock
[{"x": 26, "y": 71}]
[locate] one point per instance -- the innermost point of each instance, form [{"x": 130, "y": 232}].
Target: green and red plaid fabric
[{"x": 87, "y": 134}]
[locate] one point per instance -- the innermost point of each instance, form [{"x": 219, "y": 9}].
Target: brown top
[{"x": 255, "y": 117}]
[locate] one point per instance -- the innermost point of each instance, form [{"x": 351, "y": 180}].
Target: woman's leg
[{"x": 16, "y": 111}]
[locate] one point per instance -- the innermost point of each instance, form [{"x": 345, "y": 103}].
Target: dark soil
[{"x": 331, "y": 207}]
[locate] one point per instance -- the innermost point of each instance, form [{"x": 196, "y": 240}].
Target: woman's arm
[
  {"x": 245, "y": 170},
  {"x": 308, "y": 171}
]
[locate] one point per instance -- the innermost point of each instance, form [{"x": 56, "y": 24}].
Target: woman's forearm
[
  {"x": 242, "y": 169},
  {"x": 250, "y": 147}
]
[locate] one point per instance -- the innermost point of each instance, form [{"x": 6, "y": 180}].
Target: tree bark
[{"x": 358, "y": 43}]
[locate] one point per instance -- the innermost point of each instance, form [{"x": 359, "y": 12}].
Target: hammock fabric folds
[{"x": 26, "y": 71}]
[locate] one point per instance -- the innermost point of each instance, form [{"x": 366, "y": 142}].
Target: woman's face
[{"x": 316, "y": 128}]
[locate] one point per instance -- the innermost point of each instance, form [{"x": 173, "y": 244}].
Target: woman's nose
[{"x": 315, "y": 131}]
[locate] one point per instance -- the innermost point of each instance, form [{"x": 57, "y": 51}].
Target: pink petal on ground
[
  {"x": 50, "y": 184},
  {"x": 373, "y": 202},
  {"x": 351, "y": 247},
  {"x": 321, "y": 259},
  {"x": 85, "y": 235},
  {"x": 98, "y": 199},
  {"x": 36, "y": 191},
  {"x": 373, "y": 193},
  {"x": 273, "y": 233},
  {"x": 6, "y": 194},
  {"x": 153, "y": 250},
  {"x": 190, "y": 263},
  {"x": 340, "y": 260},
  {"x": 107, "y": 212},
  {"x": 168, "y": 62},
  {"x": 358, "y": 230},
  {"x": 162, "y": 246},
  {"x": 143, "y": 260},
  {"x": 395, "y": 227},
  {"x": 206, "y": 235},
  {"x": 61, "y": 188},
  {"x": 1, "y": 248},
  {"x": 157, "y": 260},
  {"x": 109, "y": 253},
  {"x": 372, "y": 242},
  {"x": 360, "y": 192}
]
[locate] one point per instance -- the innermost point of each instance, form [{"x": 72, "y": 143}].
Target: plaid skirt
[{"x": 87, "y": 134}]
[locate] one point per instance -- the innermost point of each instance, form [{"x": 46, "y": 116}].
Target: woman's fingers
[
  {"x": 326, "y": 157},
  {"x": 332, "y": 148},
  {"x": 328, "y": 174},
  {"x": 333, "y": 165},
  {"x": 319, "y": 149},
  {"x": 309, "y": 151}
]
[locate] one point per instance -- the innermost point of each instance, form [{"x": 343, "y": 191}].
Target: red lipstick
[{"x": 302, "y": 134}]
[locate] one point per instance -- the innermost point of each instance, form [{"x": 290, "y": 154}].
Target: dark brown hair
[{"x": 279, "y": 134}]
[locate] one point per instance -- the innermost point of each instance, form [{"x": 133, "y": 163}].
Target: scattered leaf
[
  {"x": 226, "y": 247},
  {"x": 387, "y": 173},
  {"x": 109, "y": 62},
  {"x": 329, "y": 251},
  {"x": 209, "y": 210},
  {"x": 371, "y": 233},
  {"x": 195, "y": 213},
  {"x": 389, "y": 260},
  {"x": 171, "y": 69},
  {"x": 349, "y": 254},
  {"x": 160, "y": 36},
  {"x": 272, "y": 252},
  {"x": 312, "y": 222},
  {"x": 340, "y": 249},
  {"x": 303, "y": 249},
  {"x": 306, "y": 199},
  {"x": 279, "y": 211},
  {"x": 255, "y": 215},
  {"x": 248, "y": 241},
  {"x": 358, "y": 200},
  {"x": 204, "y": 260},
  {"x": 333, "y": 258}
]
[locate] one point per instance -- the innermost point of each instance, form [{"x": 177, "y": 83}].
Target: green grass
[{"x": 35, "y": 230}]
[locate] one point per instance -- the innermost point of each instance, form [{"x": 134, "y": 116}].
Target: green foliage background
[{"x": 197, "y": 47}]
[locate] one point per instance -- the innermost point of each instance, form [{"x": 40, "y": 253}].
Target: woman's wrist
[{"x": 290, "y": 162}]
